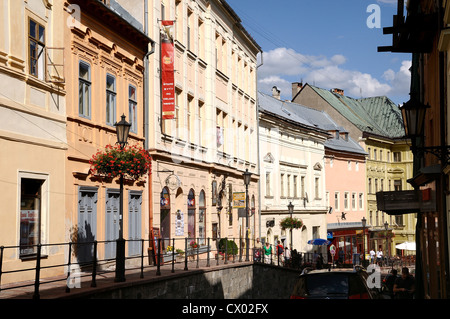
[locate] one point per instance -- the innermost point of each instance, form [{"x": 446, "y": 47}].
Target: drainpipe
[
  {"x": 257, "y": 134},
  {"x": 147, "y": 115}
]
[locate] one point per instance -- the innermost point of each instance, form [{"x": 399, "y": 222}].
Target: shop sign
[
  {"x": 239, "y": 200},
  {"x": 173, "y": 182}
]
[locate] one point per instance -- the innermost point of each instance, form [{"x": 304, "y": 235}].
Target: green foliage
[{"x": 231, "y": 247}]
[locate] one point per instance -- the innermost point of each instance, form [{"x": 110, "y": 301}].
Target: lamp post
[
  {"x": 247, "y": 176},
  {"x": 291, "y": 211},
  {"x": 122, "y": 130},
  {"x": 363, "y": 222}
]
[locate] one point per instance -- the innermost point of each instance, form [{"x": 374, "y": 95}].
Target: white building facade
[{"x": 292, "y": 171}]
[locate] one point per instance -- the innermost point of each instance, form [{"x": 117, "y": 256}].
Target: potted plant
[
  {"x": 230, "y": 247},
  {"x": 291, "y": 223},
  {"x": 132, "y": 162},
  {"x": 180, "y": 254}
]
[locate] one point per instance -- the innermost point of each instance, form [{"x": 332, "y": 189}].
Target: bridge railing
[{"x": 177, "y": 253}]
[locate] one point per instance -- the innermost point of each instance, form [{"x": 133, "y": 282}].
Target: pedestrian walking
[
  {"x": 372, "y": 256},
  {"x": 287, "y": 256},
  {"x": 257, "y": 250},
  {"x": 267, "y": 253},
  {"x": 379, "y": 257}
]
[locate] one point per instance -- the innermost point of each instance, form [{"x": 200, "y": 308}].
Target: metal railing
[{"x": 167, "y": 252}]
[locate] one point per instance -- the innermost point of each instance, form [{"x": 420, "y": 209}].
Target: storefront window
[{"x": 30, "y": 215}]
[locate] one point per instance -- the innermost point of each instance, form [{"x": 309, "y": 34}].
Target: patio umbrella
[
  {"x": 318, "y": 242},
  {"x": 406, "y": 246}
]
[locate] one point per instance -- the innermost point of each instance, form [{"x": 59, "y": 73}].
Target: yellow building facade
[
  {"x": 104, "y": 60},
  {"x": 389, "y": 166}
]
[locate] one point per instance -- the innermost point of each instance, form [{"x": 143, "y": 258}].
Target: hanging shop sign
[
  {"x": 173, "y": 182},
  {"x": 167, "y": 71},
  {"x": 239, "y": 200}
]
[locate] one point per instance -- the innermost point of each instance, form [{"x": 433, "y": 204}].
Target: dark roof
[
  {"x": 377, "y": 115},
  {"x": 311, "y": 119}
]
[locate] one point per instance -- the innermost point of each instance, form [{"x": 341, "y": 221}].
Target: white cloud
[{"x": 283, "y": 66}]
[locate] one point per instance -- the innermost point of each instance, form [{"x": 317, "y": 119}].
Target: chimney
[
  {"x": 276, "y": 93},
  {"x": 338, "y": 91},
  {"x": 296, "y": 87}
]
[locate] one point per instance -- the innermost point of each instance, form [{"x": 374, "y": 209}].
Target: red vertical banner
[{"x": 167, "y": 71}]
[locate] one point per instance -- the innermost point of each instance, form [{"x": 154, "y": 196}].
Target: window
[
  {"x": 110, "y": 100},
  {"x": 201, "y": 218},
  {"x": 282, "y": 185},
  {"x": 361, "y": 203},
  {"x": 397, "y": 157},
  {"x": 302, "y": 186},
  {"x": 267, "y": 184},
  {"x": 336, "y": 200},
  {"x": 84, "y": 96},
  {"x": 30, "y": 215},
  {"x": 132, "y": 108},
  {"x": 397, "y": 185},
  {"x": 354, "y": 201},
  {"x": 346, "y": 200},
  {"x": 199, "y": 123},
  {"x": 36, "y": 40},
  {"x": 316, "y": 188},
  {"x": 288, "y": 180},
  {"x": 295, "y": 186}
]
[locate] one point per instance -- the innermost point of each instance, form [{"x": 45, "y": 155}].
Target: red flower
[{"x": 132, "y": 161}]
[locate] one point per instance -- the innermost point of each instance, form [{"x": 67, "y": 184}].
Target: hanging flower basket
[
  {"x": 131, "y": 161},
  {"x": 292, "y": 223}
]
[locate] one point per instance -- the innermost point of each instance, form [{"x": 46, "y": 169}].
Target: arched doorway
[
  {"x": 191, "y": 214},
  {"x": 202, "y": 218},
  {"x": 164, "y": 215}
]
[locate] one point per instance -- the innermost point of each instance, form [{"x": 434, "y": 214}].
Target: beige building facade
[
  {"x": 32, "y": 136},
  {"x": 199, "y": 157}
]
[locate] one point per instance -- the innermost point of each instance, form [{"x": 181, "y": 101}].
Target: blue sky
[{"x": 326, "y": 43}]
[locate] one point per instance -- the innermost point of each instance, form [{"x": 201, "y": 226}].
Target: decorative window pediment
[
  {"x": 269, "y": 158},
  {"x": 317, "y": 166}
]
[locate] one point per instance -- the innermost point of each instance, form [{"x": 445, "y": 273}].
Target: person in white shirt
[
  {"x": 372, "y": 256},
  {"x": 379, "y": 256}
]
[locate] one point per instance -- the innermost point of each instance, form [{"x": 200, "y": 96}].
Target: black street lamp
[
  {"x": 122, "y": 130},
  {"x": 363, "y": 222},
  {"x": 386, "y": 227},
  {"x": 413, "y": 113},
  {"x": 247, "y": 177},
  {"x": 291, "y": 211}
]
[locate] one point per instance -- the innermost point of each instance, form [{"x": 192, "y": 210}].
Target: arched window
[
  {"x": 165, "y": 216},
  {"x": 191, "y": 214},
  {"x": 202, "y": 218}
]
